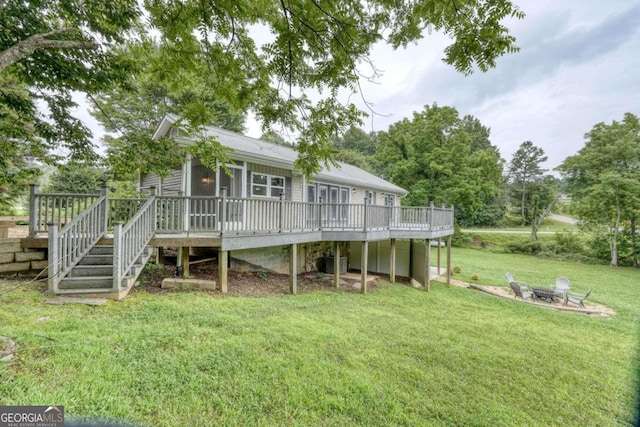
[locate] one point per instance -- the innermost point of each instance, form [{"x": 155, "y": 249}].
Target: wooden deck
[{"x": 244, "y": 223}]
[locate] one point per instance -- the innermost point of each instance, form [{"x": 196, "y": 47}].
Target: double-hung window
[{"x": 263, "y": 185}]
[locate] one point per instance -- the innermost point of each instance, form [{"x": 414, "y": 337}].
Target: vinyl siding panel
[
  {"x": 268, "y": 170},
  {"x": 148, "y": 180},
  {"x": 296, "y": 188},
  {"x": 172, "y": 185}
]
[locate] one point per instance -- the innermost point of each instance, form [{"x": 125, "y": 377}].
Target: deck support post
[
  {"x": 439, "y": 243},
  {"x": 363, "y": 267},
  {"x": 427, "y": 265},
  {"x": 117, "y": 256},
  {"x": 160, "y": 255},
  {"x": 336, "y": 264},
  {"x": 105, "y": 214},
  {"x": 410, "y": 261},
  {"x": 293, "y": 269},
  {"x": 34, "y": 214},
  {"x": 392, "y": 262},
  {"x": 448, "y": 260},
  {"x": 184, "y": 260},
  {"x": 54, "y": 256},
  {"x": 223, "y": 260}
]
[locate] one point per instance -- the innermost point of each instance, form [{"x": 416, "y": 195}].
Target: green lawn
[
  {"x": 548, "y": 225},
  {"x": 396, "y": 356}
]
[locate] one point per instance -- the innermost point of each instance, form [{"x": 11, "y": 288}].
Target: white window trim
[
  {"x": 340, "y": 188},
  {"x": 268, "y": 185}
]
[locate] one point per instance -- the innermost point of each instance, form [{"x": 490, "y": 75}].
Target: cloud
[{"x": 548, "y": 45}]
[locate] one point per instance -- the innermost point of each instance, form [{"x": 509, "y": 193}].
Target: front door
[{"x": 233, "y": 182}]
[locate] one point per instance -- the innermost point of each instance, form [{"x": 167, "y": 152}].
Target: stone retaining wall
[{"x": 14, "y": 258}]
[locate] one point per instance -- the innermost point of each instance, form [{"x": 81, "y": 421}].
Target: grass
[
  {"x": 548, "y": 225},
  {"x": 396, "y": 356}
]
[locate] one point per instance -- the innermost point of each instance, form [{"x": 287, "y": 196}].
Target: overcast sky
[{"x": 578, "y": 65}]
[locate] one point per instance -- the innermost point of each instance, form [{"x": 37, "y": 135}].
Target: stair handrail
[
  {"x": 130, "y": 240},
  {"x": 67, "y": 246}
]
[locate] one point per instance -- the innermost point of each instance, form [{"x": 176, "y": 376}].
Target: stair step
[
  {"x": 101, "y": 250},
  {"x": 91, "y": 270},
  {"x": 97, "y": 260},
  {"x": 86, "y": 282},
  {"x": 83, "y": 291}
]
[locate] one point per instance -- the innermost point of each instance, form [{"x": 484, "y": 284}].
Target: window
[
  {"x": 371, "y": 197},
  {"x": 263, "y": 185},
  {"x": 389, "y": 200},
  {"x": 311, "y": 194}
]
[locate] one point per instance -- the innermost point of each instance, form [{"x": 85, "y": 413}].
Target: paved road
[{"x": 565, "y": 219}]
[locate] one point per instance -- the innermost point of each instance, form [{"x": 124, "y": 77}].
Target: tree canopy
[
  {"x": 263, "y": 56},
  {"x": 525, "y": 169},
  {"x": 130, "y": 112},
  {"x": 604, "y": 179},
  {"x": 435, "y": 158}
]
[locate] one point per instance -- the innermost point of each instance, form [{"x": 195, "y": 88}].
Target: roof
[{"x": 263, "y": 152}]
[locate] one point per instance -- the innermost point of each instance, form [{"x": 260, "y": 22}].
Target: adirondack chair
[
  {"x": 577, "y": 299},
  {"x": 510, "y": 279},
  {"x": 518, "y": 289},
  {"x": 562, "y": 286}
]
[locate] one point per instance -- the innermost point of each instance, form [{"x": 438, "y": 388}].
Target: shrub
[
  {"x": 475, "y": 277},
  {"x": 528, "y": 247},
  {"x": 568, "y": 244},
  {"x": 457, "y": 270}
]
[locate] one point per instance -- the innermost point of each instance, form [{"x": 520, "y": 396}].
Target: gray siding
[
  {"x": 269, "y": 170},
  {"x": 172, "y": 184},
  {"x": 296, "y": 188},
  {"x": 147, "y": 181}
]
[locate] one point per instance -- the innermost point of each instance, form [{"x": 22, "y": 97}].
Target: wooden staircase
[{"x": 93, "y": 275}]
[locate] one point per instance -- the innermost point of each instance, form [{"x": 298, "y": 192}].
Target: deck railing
[
  {"x": 241, "y": 216},
  {"x": 68, "y": 245},
  {"x": 50, "y": 208},
  {"x": 131, "y": 239},
  {"x": 236, "y": 216}
]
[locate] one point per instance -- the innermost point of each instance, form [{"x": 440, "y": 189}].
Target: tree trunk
[
  {"x": 614, "y": 240},
  {"x": 534, "y": 223},
  {"x": 634, "y": 246},
  {"x": 522, "y": 204}
]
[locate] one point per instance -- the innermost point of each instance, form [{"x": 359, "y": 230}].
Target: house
[
  {"x": 257, "y": 212},
  {"x": 261, "y": 169}
]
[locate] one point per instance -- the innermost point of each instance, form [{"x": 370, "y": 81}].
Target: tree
[
  {"x": 276, "y": 138},
  {"x": 313, "y": 47},
  {"x": 50, "y": 49},
  {"x": 541, "y": 197},
  {"x": 74, "y": 178},
  {"x": 431, "y": 156},
  {"x": 358, "y": 148},
  {"x": 57, "y": 47},
  {"x": 604, "y": 180},
  {"x": 131, "y": 111},
  {"x": 357, "y": 140},
  {"x": 525, "y": 169}
]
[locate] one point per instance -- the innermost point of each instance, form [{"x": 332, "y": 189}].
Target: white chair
[
  {"x": 562, "y": 286},
  {"x": 576, "y": 299}
]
